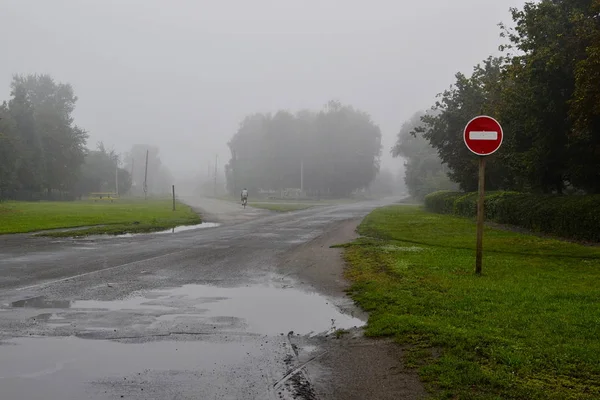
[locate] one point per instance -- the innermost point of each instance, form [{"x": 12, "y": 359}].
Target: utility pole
[
  {"x": 302, "y": 176},
  {"x": 146, "y": 178},
  {"x": 117, "y": 179},
  {"x": 132, "y": 186},
  {"x": 173, "y": 197},
  {"x": 234, "y": 168},
  {"x": 216, "y": 159}
]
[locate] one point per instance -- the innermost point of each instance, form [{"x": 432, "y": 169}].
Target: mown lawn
[
  {"x": 122, "y": 216},
  {"x": 528, "y": 328}
]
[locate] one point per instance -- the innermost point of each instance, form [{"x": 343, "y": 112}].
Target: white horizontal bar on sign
[{"x": 483, "y": 135}]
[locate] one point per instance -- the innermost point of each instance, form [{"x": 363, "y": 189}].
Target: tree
[
  {"x": 384, "y": 184},
  {"x": 350, "y": 146},
  {"x": 8, "y": 152},
  {"x": 424, "y": 172},
  {"x": 545, "y": 95},
  {"x": 337, "y": 150},
  {"x": 584, "y": 168},
  {"x": 537, "y": 86},
  {"x": 63, "y": 143},
  {"x": 98, "y": 173},
  {"x": 443, "y": 128},
  {"x": 544, "y": 92},
  {"x": 30, "y": 167}
]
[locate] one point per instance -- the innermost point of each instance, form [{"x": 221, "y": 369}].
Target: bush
[
  {"x": 441, "y": 202},
  {"x": 576, "y": 217}
]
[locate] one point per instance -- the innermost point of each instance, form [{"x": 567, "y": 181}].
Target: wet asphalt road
[{"x": 209, "y": 313}]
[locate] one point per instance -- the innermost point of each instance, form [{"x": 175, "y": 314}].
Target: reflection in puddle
[
  {"x": 133, "y": 303},
  {"x": 190, "y": 227},
  {"x": 41, "y": 302},
  {"x": 176, "y": 229},
  {"x": 263, "y": 309}
]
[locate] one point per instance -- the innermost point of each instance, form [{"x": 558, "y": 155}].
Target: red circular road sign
[{"x": 483, "y": 135}]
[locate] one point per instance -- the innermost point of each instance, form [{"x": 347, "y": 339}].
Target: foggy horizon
[{"x": 183, "y": 76}]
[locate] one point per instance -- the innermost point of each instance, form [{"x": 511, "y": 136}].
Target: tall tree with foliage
[
  {"x": 9, "y": 156},
  {"x": 584, "y": 138},
  {"x": 538, "y": 85},
  {"x": 443, "y": 128},
  {"x": 338, "y": 148},
  {"x": 99, "y": 173},
  {"x": 63, "y": 142},
  {"x": 424, "y": 172},
  {"x": 544, "y": 92},
  {"x": 30, "y": 166}
]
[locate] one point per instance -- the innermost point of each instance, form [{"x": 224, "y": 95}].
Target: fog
[{"x": 181, "y": 75}]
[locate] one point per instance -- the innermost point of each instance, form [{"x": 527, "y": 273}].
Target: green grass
[
  {"x": 122, "y": 216},
  {"x": 281, "y": 207},
  {"x": 528, "y": 328}
]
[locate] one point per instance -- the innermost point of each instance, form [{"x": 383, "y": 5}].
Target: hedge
[{"x": 575, "y": 217}]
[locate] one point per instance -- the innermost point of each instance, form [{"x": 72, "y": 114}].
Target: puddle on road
[
  {"x": 133, "y": 303},
  {"x": 114, "y": 358},
  {"x": 262, "y": 309},
  {"x": 184, "y": 228},
  {"x": 267, "y": 309},
  {"x": 70, "y": 368},
  {"x": 177, "y": 229},
  {"x": 41, "y": 302}
]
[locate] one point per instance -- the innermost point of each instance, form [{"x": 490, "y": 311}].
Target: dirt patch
[
  {"x": 357, "y": 368},
  {"x": 352, "y": 366},
  {"x": 317, "y": 264}
]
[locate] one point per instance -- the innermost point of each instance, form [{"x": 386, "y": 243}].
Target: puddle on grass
[{"x": 262, "y": 309}]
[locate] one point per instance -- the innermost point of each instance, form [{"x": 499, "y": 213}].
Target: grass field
[
  {"x": 122, "y": 216},
  {"x": 528, "y": 328}
]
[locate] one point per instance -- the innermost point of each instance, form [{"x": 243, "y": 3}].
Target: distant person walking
[{"x": 244, "y": 197}]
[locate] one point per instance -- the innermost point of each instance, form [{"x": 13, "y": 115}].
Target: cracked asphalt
[{"x": 238, "y": 310}]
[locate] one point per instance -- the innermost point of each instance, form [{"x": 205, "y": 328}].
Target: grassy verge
[
  {"x": 528, "y": 328},
  {"x": 123, "y": 216},
  {"x": 281, "y": 207}
]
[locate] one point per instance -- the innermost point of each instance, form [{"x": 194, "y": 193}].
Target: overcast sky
[{"x": 181, "y": 74}]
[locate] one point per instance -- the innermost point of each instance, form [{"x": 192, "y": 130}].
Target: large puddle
[
  {"x": 193, "y": 341},
  {"x": 260, "y": 309},
  {"x": 72, "y": 368}
]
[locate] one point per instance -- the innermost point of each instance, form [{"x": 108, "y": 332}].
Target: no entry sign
[{"x": 483, "y": 135}]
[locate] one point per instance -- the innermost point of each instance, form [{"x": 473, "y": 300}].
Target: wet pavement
[{"x": 197, "y": 314}]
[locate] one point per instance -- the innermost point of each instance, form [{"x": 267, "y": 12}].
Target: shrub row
[{"x": 576, "y": 217}]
